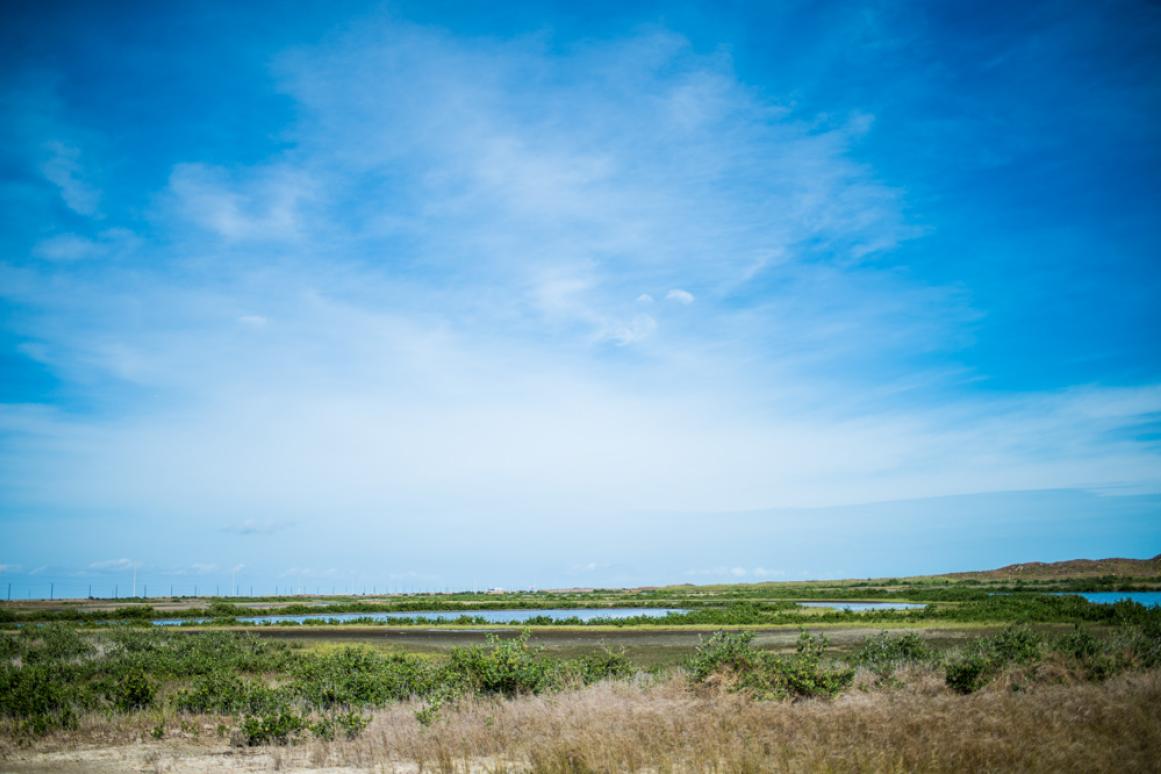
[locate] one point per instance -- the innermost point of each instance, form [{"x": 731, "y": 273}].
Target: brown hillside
[{"x": 1073, "y": 568}]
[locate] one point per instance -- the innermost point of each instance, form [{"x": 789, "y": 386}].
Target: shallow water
[
  {"x": 1146, "y": 598},
  {"x": 861, "y": 607},
  {"x": 490, "y": 616}
]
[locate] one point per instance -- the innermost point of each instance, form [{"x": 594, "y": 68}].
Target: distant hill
[{"x": 1072, "y": 568}]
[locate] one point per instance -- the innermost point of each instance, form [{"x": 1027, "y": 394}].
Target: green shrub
[
  {"x": 605, "y": 664},
  {"x": 40, "y": 697},
  {"x": 225, "y": 693},
  {"x": 280, "y": 727},
  {"x": 977, "y": 664},
  {"x": 1141, "y": 644},
  {"x": 349, "y": 724},
  {"x": 884, "y": 653},
  {"x": 732, "y": 650},
  {"x": 767, "y": 675},
  {"x": 505, "y": 666},
  {"x": 802, "y": 675},
  {"x": 1094, "y": 656},
  {"x": 10, "y": 647},
  {"x": 54, "y": 642},
  {"x": 1017, "y": 644},
  {"x": 968, "y": 673},
  {"x": 359, "y": 677},
  {"x": 131, "y": 691}
]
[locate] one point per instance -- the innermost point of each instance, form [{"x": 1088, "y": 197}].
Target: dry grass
[
  {"x": 662, "y": 727},
  {"x": 614, "y": 727}
]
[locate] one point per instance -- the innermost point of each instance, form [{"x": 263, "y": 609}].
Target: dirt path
[{"x": 173, "y": 758}]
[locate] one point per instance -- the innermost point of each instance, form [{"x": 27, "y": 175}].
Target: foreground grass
[
  {"x": 665, "y": 725},
  {"x": 732, "y": 706}
]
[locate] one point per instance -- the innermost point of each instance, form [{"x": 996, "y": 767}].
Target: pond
[
  {"x": 1146, "y": 598},
  {"x": 490, "y": 616},
  {"x": 862, "y": 607}
]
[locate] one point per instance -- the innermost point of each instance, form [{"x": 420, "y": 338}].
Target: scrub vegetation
[
  {"x": 57, "y": 678},
  {"x": 944, "y": 600},
  {"x": 71, "y": 676}
]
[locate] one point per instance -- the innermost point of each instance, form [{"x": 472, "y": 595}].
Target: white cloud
[
  {"x": 66, "y": 247},
  {"x": 195, "y": 568},
  {"x": 113, "y": 565},
  {"x": 265, "y": 206},
  {"x": 680, "y": 296},
  {"x": 639, "y": 328},
  {"x": 308, "y": 573},
  {"x": 63, "y": 170},
  {"x": 645, "y": 298},
  {"x": 258, "y": 527}
]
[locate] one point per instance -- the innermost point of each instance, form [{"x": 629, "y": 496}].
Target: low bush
[
  {"x": 983, "y": 659},
  {"x": 130, "y": 691},
  {"x": 359, "y": 677},
  {"x": 766, "y": 675},
  {"x": 278, "y": 727},
  {"x": 347, "y": 724},
  {"x": 224, "y": 693},
  {"x": 884, "y": 653},
  {"x": 505, "y": 666},
  {"x": 605, "y": 664},
  {"x": 53, "y": 642},
  {"x": 969, "y": 672},
  {"x": 40, "y": 697},
  {"x": 723, "y": 650}
]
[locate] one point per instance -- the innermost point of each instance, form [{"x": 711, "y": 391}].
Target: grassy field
[
  {"x": 1020, "y": 680},
  {"x": 663, "y": 726}
]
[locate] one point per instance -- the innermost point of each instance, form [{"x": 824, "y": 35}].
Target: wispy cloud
[
  {"x": 735, "y": 572},
  {"x": 263, "y": 205},
  {"x": 63, "y": 169},
  {"x": 114, "y": 565},
  {"x": 478, "y": 279},
  {"x": 257, "y": 527},
  {"x": 195, "y": 568}
]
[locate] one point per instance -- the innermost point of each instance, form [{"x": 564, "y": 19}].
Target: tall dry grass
[
  {"x": 665, "y": 726},
  {"x": 614, "y": 727}
]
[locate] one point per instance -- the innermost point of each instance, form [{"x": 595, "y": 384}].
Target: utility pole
[
  {"x": 134, "y": 580},
  {"x": 51, "y": 592}
]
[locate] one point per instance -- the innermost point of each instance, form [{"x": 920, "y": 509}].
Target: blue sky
[{"x": 428, "y": 295}]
